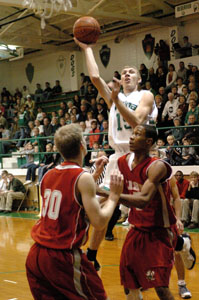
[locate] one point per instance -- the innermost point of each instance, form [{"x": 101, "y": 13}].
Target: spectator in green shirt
[{"x": 192, "y": 111}]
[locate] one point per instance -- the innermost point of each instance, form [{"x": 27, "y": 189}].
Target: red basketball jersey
[
  {"x": 158, "y": 212},
  {"x": 63, "y": 224}
]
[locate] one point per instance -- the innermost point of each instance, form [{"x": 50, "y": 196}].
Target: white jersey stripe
[
  {"x": 77, "y": 273},
  {"x": 60, "y": 167}
]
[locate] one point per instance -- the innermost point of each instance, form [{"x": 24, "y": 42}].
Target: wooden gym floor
[{"x": 15, "y": 242}]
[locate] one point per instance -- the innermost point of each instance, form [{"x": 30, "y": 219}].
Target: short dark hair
[
  {"x": 150, "y": 132},
  {"x": 179, "y": 172},
  {"x": 4, "y": 172}
]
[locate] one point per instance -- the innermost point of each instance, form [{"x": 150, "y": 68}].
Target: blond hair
[
  {"x": 68, "y": 139},
  {"x": 194, "y": 174}
]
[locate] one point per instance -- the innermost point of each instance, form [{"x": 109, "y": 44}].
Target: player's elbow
[
  {"x": 95, "y": 78},
  {"x": 140, "y": 121}
]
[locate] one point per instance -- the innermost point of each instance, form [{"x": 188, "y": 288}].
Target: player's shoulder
[
  {"x": 160, "y": 166},
  {"x": 85, "y": 177},
  {"x": 157, "y": 162},
  {"x": 146, "y": 93}
]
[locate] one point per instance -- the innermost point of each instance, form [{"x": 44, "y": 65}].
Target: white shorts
[{"x": 112, "y": 165}]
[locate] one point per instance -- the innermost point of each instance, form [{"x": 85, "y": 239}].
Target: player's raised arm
[
  {"x": 99, "y": 216},
  {"x": 93, "y": 71}
]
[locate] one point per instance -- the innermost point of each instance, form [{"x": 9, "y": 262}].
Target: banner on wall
[
  {"x": 105, "y": 54},
  {"x": 30, "y": 72},
  {"x": 73, "y": 71},
  {"x": 187, "y": 9},
  {"x": 61, "y": 65},
  {"x": 173, "y": 39},
  {"x": 148, "y": 44}
]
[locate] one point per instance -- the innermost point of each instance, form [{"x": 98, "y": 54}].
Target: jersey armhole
[
  {"x": 77, "y": 196},
  {"x": 169, "y": 170}
]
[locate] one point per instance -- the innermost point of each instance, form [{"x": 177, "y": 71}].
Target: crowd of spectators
[{"x": 176, "y": 97}]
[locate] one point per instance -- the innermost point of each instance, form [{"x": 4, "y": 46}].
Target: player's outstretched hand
[
  {"x": 100, "y": 162},
  {"x": 116, "y": 183},
  {"x": 83, "y": 45},
  {"x": 115, "y": 87}
]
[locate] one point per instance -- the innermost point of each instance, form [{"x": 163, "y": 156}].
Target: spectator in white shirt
[{"x": 170, "y": 109}]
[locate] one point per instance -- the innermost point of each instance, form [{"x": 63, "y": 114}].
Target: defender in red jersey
[
  {"x": 148, "y": 252},
  {"x": 56, "y": 266}
]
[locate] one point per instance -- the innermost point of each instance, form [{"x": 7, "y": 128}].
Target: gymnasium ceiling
[{"x": 118, "y": 18}]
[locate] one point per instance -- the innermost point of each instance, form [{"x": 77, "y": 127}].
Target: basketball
[{"x": 86, "y": 30}]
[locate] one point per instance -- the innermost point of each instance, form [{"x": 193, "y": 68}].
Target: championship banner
[
  {"x": 173, "y": 39},
  {"x": 73, "y": 71},
  {"x": 187, "y": 9},
  {"x": 148, "y": 44}
]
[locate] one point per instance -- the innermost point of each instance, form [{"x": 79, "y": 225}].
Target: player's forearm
[
  {"x": 101, "y": 192},
  {"x": 96, "y": 175},
  {"x": 177, "y": 208},
  {"x": 92, "y": 66},
  {"x": 108, "y": 208},
  {"x": 136, "y": 200},
  {"x": 129, "y": 116}
]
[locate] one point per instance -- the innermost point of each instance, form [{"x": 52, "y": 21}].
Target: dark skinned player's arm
[{"x": 156, "y": 173}]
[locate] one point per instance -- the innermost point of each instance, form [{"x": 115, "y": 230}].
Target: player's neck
[
  {"x": 75, "y": 161},
  {"x": 129, "y": 90},
  {"x": 138, "y": 158}
]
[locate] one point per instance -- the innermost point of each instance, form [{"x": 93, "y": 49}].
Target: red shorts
[
  {"x": 147, "y": 258},
  {"x": 62, "y": 274}
]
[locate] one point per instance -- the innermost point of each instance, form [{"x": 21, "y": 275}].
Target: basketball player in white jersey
[{"x": 127, "y": 109}]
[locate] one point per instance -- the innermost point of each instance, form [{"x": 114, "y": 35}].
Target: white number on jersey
[{"x": 51, "y": 204}]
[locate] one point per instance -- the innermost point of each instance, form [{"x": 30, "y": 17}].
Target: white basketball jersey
[{"x": 119, "y": 130}]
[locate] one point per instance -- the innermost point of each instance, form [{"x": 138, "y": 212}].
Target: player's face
[
  {"x": 130, "y": 78},
  {"x": 194, "y": 179},
  {"x": 138, "y": 139},
  {"x": 178, "y": 176}
]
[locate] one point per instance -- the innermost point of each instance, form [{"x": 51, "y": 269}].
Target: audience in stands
[
  {"x": 173, "y": 153},
  {"x": 15, "y": 190},
  {"x": 47, "y": 91},
  {"x": 85, "y": 80},
  {"x": 176, "y": 97},
  {"x": 191, "y": 203},
  {"x": 38, "y": 93},
  {"x": 93, "y": 138},
  {"x": 144, "y": 74},
  {"x": 170, "y": 109},
  {"x": 46, "y": 162},
  {"x": 5, "y": 145},
  {"x": 57, "y": 89},
  {"x": 171, "y": 77},
  {"x": 182, "y": 72}
]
